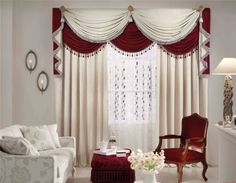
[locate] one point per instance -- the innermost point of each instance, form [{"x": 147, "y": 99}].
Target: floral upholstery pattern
[
  {"x": 20, "y": 174},
  {"x": 64, "y": 158},
  {"x": 17, "y": 146},
  {"x": 13, "y": 131},
  {"x": 27, "y": 169},
  {"x": 51, "y": 166},
  {"x": 67, "y": 141},
  {"x": 39, "y": 137}
]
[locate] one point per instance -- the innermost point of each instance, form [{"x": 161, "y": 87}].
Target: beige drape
[
  {"x": 82, "y": 101},
  {"x": 180, "y": 92}
]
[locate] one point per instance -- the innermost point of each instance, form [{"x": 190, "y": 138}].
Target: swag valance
[{"x": 86, "y": 31}]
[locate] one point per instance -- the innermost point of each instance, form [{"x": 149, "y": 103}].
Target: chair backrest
[{"x": 194, "y": 126}]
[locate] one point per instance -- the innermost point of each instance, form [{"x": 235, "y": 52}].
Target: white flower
[{"x": 148, "y": 162}]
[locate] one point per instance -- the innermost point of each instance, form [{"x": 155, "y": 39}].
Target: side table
[
  {"x": 111, "y": 169},
  {"x": 227, "y": 151}
]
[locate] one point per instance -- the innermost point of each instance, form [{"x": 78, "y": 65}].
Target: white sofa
[{"x": 51, "y": 166}]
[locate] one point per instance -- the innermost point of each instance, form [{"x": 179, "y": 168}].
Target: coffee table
[{"x": 111, "y": 169}]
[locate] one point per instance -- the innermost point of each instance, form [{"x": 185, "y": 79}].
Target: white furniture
[
  {"x": 51, "y": 166},
  {"x": 227, "y": 154}
]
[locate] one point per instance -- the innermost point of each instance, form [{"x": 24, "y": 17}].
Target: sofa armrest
[
  {"x": 24, "y": 168},
  {"x": 67, "y": 141}
]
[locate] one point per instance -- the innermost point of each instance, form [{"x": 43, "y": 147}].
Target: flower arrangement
[{"x": 147, "y": 162}]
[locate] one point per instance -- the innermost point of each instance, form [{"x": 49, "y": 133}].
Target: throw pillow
[
  {"x": 54, "y": 135},
  {"x": 39, "y": 137},
  {"x": 17, "y": 146},
  {"x": 13, "y": 131}
]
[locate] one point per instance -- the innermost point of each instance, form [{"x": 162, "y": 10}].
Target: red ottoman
[{"x": 111, "y": 169}]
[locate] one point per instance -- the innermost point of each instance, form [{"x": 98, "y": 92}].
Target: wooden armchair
[{"x": 193, "y": 135}]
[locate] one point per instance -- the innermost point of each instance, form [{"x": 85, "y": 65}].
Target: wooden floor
[{"x": 167, "y": 175}]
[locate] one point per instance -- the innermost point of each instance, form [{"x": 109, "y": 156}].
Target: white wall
[
  {"x": 32, "y": 30},
  {"x": 223, "y": 45},
  {"x": 0, "y": 64},
  {"x": 6, "y": 53}
]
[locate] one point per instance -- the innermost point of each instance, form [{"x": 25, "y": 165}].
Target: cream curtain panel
[
  {"x": 82, "y": 102},
  {"x": 101, "y": 26},
  {"x": 180, "y": 91}
]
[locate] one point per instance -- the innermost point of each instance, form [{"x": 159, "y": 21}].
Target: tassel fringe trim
[
  {"x": 132, "y": 54},
  {"x": 85, "y": 55}
]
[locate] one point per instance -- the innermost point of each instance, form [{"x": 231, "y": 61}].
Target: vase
[{"x": 149, "y": 177}]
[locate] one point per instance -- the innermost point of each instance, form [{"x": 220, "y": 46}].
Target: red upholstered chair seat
[{"x": 176, "y": 155}]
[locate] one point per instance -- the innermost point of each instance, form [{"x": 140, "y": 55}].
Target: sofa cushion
[
  {"x": 17, "y": 146},
  {"x": 54, "y": 135},
  {"x": 64, "y": 158},
  {"x": 13, "y": 131},
  {"x": 39, "y": 137}
]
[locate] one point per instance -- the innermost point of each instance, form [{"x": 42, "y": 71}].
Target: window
[{"x": 131, "y": 86}]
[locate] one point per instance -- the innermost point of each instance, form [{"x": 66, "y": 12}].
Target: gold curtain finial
[
  {"x": 62, "y": 8},
  {"x": 200, "y": 8},
  {"x": 130, "y": 8}
]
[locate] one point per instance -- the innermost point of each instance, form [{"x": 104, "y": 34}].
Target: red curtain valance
[
  {"x": 132, "y": 39},
  {"x": 78, "y": 44}
]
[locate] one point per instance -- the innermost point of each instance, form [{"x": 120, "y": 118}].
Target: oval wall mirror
[
  {"x": 42, "y": 81},
  {"x": 31, "y": 60}
]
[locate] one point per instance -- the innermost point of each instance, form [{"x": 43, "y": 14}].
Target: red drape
[
  {"x": 206, "y": 26},
  {"x": 78, "y": 44},
  {"x": 131, "y": 40},
  {"x": 56, "y": 19},
  {"x": 185, "y": 45}
]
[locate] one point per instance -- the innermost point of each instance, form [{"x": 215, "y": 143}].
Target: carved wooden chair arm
[
  {"x": 170, "y": 137},
  {"x": 192, "y": 143},
  {"x": 165, "y": 137}
]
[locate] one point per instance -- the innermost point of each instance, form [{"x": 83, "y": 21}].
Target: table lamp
[{"x": 227, "y": 67}]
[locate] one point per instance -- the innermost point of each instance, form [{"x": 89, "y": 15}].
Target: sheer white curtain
[
  {"x": 150, "y": 94},
  {"x": 132, "y": 98},
  {"x": 82, "y": 101}
]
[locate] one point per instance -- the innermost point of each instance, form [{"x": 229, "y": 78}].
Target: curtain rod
[
  {"x": 200, "y": 8},
  {"x": 62, "y": 8},
  {"x": 130, "y": 8}
]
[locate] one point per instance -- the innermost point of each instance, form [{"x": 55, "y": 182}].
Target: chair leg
[
  {"x": 205, "y": 166},
  {"x": 180, "y": 172}
]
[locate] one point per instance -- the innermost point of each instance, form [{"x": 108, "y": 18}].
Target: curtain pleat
[
  {"x": 82, "y": 102},
  {"x": 83, "y": 111},
  {"x": 180, "y": 90}
]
